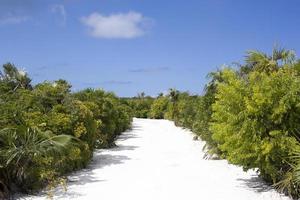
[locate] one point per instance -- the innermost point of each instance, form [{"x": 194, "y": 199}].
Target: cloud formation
[
  {"x": 121, "y": 25},
  {"x": 60, "y": 9},
  {"x": 148, "y": 70}
]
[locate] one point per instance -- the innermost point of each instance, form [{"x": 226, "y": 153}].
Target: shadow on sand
[
  {"x": 256, "y": 183},
  {"x": 126, "y": 137},
  {"x": 102, "y": 158}
]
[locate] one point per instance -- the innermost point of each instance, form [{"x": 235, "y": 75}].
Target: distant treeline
[
  {"x": 248, "y": 114},
  {"x": 46, "y": 131}
]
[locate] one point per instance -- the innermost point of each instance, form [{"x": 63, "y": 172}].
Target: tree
[
  {"x": 173, "y": 95},
  {"x": 259, "y": 61},
  {"x": 14, "y": 77},
  {"x": 172, "y": 110},
  {"x": 160, "y": 95},
  {"x": 141, "y": 95}
]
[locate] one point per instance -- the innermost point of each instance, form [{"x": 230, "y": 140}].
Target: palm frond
[{"x": 18, "y": 144}]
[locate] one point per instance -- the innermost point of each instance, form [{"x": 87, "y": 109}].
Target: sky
[{"x": 133, "y": 46}]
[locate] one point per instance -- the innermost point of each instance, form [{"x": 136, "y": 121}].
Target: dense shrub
[
  {"x": 140, "y": 105},
  {"x": 113, "y": 115},
  {"x": 254, "y": 120},
  {"x": 158, "y": 108},
  {"x": 249, "y": 115},
  {"x": 47, "y": 131},
  {"x": 185, "y": 109}
]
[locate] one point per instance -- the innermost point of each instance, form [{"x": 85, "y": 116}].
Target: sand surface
[{"x": 158, "y": 161}]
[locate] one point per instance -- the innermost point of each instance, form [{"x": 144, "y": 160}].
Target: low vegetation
[
  {"x": 47, "y": 131},
  {"x": 248, "y": 114},
  {"x": 140, "y": 105}
]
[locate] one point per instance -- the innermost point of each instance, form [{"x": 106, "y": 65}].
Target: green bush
[
  {"x": 254, "y": 120},
  {"x": 249, "y": 116},
  {"x": 158, "y": 108},
  {"x": 38, "y": 123},
  {"x": 140, "y": 105},
  {"x": 112, "y": 115}
]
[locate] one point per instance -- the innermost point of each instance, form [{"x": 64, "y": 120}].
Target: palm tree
[
  {"x": 141, "y": 95},
  {"x": 160, "y": 95},
  {"x": 173, "y": 95},
  {"x": 259, "y": 61},
  {"x": 215, "y": 78},
  {"x": 15, "y": 77}
]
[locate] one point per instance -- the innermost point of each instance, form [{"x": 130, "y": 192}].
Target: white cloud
[
  {"x": 60, "y": 9},
  {"x": 13, "y": 19},
  {"x": 121, "y": 25}
]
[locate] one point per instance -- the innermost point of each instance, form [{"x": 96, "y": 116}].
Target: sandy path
[{"x": 158, "y": 161}]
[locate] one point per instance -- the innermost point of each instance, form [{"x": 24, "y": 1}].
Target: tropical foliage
[
  {"x": 249, "y": 115},
  {"x": 140, "y": 105},
  {"x": 47, "y": 131}
]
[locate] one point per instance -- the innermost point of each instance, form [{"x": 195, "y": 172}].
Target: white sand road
[{"x": 158, "y": 161}]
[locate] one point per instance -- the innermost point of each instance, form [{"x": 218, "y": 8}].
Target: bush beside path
[{"x": 157, "y": 160}]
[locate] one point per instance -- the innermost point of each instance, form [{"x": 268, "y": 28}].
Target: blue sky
[{"x": 130, "y": 46}]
